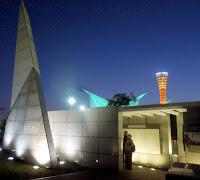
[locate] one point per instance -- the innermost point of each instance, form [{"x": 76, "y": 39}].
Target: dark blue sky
[{"x": 107, "y": 46}]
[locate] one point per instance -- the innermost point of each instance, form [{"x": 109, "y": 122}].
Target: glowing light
[
  {"x": 153, "y": 169},
  {"x": 140, "y": 166},
  {"x": 175, "y": 155},
  {"x": 13, "y": 150},
  {"x": 70, "y": 145},
  {"x": 20, "y": 152},
  {"x": 36, "y": 167},
  {"x": 162, "y": 85},
  {"x": 10, "y": 158},
  {"x": 0, "y": 149},
  {"x": 82, "y": 107},
  {"x": 62, "y": 162},
  {"x": 71, "y": 101},
  {"x": 7, "y": 140},
  {"x": 97, "y": 161},
  {"x": 70, "y": 153},
  {"x": 76, "y": 161},
  {"x": 42, "y": 157}
]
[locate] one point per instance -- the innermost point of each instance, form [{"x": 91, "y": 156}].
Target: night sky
[{"x": 107, "y": 47}]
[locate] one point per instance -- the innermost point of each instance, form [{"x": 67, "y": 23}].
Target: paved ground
[
  {"x": 136, "y": 174},
  {"x": 143, "y": 173}
]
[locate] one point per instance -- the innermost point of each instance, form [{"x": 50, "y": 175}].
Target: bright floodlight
[
  {"x": 62, "y": 162},
  {"x": 10, "y": 158},
  {"x": 36, "y": 167},
  {"x": 71, "y": 101},
  {"x": 82, "y": 107}
]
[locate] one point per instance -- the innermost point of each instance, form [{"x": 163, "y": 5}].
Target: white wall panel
[
  {"x": 33, "y": 113},
  {"x": 108, "y": 114},
  {"x": 91, "y": 115},
  {"x": 108, "y": 129},
  {"x": 108, "y": 146},
  {"x": 90, "y": 129},
  {"x": 74, "y": 129},
  {"x": 19, "y": 126},
  {"x": 31, "y": 127},
  {"x": 29, "y": 142},
  {"x": 20, "y": 114},
  {"x": 59, "y": 129},
  {"x": 74, "y": 116},
  {"x": 90, "y": 144}
]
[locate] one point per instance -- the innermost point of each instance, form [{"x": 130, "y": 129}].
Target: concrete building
[{"x": 93, "y": 138}]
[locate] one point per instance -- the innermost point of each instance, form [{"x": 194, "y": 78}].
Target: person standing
[
  {"x": 129, "y": 148},
  {"x": 124, "y": 142}
]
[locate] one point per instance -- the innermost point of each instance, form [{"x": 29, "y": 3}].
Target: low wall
[{"x": 90, "y": 137}]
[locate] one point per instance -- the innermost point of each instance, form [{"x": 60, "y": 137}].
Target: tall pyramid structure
[{"x": 27, "y": 131}]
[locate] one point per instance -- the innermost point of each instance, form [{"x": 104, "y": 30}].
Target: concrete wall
[
  {"x": 90, "y": 137},
  {"x": 156, "y": 146},
  {"x": 192, "y": 124}
]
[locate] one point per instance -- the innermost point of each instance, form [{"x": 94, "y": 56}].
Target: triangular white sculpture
[{"x": 28, "y": 131}]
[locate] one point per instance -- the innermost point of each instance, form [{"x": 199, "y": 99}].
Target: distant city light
[
  {"x": 82, "y": 107},
  {"x": 71, "y": 101},
  {"x": 10, "y": 158},
  {"x": 62, "y": 162},
  {"x": 36, "y": 167}
]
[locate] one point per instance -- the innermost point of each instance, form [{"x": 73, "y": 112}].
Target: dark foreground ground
[
  {"x": 16, "y": 169},
  {"x": 136, "y": 174}
]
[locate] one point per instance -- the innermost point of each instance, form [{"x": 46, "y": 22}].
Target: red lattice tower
[{"x": 162, "y": 85}]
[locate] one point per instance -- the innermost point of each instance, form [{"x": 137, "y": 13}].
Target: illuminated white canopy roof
[{"x": 154, "y": 111}]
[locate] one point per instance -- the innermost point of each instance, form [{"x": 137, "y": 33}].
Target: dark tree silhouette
[{"x": 121, "y": 99}]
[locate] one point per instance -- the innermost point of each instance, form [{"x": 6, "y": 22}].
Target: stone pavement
[{"x": 136, "y": 174}]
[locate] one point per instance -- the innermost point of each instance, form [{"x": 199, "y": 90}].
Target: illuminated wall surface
[
  {"x": 97, "y": 101},
  {"x": 151, "y": 137},
  {"x": 162, "y": 85},
  {"x": 27, "y": 128},
  {"x": 91, "y": 137},
  {"x": 25, "y": 57}
]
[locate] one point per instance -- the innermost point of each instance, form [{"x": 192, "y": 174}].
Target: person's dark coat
[
  {"x": 129, "y": 148},
  {"x": 124, "y": 142}
]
